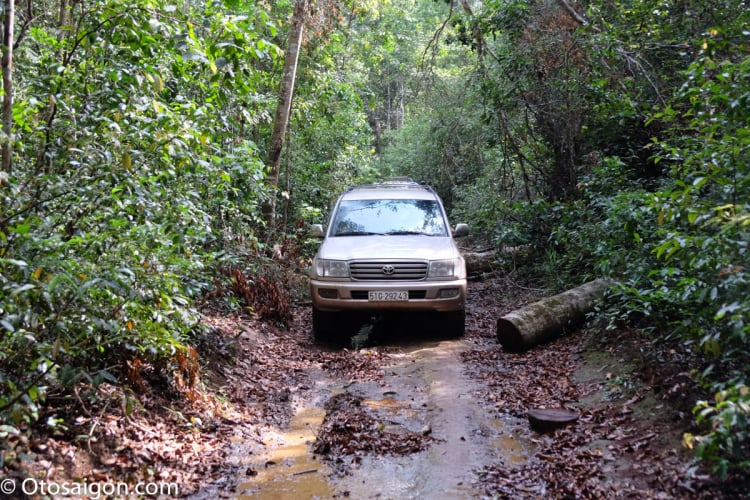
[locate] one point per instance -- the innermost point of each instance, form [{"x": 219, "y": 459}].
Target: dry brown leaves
[
  {"x": 349, "y": 430},
  {"x": 119, "y": 437},
  {"x": 265, "y": 295},
  {"x": 360, "y": 365},
  {"x": 612, "y": 450},
  {"x": 251, "y": 371}
]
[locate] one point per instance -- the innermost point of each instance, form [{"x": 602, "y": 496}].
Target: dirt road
[
  {"x": 423, "y": 391},
  {"x": 409, "y": 415}
]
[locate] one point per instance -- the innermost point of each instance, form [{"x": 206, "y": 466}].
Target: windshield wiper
[
  {"x": 357, "y": 233},
  {"x": 400, "y": 233}
]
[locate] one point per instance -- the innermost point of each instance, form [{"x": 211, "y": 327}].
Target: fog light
[
  {"x": 328, "y": 293},
  {"x": 448, "y": 293}
]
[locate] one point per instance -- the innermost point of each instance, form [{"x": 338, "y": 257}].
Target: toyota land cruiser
[{"x": 388, "y": 247}]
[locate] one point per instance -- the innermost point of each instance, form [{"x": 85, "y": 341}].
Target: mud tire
[
  {"x": 324, "y": 325},
  {"x": 453, "y": 324}
]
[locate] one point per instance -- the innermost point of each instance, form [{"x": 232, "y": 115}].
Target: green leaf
[
  {"x": 6, "y": 430},
  {"x": 24, "y": 288},
  {"x": 727, "y": 308},
  {"x": 118, "y": 222},
  {"x": 14, "y": 262},
  {"x": 22, "y": 229}
]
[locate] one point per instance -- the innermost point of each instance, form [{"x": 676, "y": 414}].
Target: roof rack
[
  {"x": 400, "y": 179},
  {"x": 395, "y": 183}
]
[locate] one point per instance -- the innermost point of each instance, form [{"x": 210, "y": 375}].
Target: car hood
[{"x": 388, "y": 247}]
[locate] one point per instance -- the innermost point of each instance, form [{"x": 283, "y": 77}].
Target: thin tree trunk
[
  {"x": 7, "y": 64},
  {"x": 283, "y": 109},
  {"x": 63, "y": 56},
  {"x": 479, "y": 39},
  {"x": 63, "y": 19}
]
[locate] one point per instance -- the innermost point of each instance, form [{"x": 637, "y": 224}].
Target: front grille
[{"x": 401, "y": 270}]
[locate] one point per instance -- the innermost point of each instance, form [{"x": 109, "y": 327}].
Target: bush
[{"x": 725, "y": 445}]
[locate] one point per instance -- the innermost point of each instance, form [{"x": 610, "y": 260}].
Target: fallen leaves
[
  {"x": 349, "y": 430},
  {"x": 252, "y": 372},
  {"x": 624, "y": 444}
]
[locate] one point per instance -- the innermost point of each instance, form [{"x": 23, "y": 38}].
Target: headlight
[
  {"x": 331, "y": 268},
  {"x": 442, "y": 268}
]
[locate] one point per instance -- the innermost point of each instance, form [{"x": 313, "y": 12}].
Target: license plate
[{"x": 388, "y": 296}]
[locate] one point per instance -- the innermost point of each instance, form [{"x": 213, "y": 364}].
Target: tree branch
[{"x": 579, "y": 18}]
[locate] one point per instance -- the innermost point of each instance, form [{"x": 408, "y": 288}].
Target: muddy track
[
  {"x": 418, "y": 427},
  {"x": 410, "y": 415},
  {"x": 424, "y": 391},
  {"x": 406, "y": 414}
]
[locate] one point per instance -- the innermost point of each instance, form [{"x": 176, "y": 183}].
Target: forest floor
[{"x": 405, "y": 415}]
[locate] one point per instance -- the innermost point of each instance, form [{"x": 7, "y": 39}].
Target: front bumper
[{"x": 441, "y": 296}]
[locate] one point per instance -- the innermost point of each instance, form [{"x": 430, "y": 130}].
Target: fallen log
[
  {"x": 488, "y": 260},
  {"x": 550, "y": 317},
  {"x": 483, "y": 261}
]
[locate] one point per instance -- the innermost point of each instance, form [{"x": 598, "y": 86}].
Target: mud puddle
[
  {"x": 289, "y": 470},
  {"x": 428, "y": 385},
  {"x": 424, "y": 390}
]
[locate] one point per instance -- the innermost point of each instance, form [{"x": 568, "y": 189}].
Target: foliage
[
  {"x": 137, "y": 182},
  {"x": 612, "y": 139},
  {"x": 442, "y": 149},
  {"x": 329, "y": 147},
  {"x": 129, "y": 184},
  {"x": 661, "y": 181},
  {"x": 725, "y": 447},
  {"x": 706, "y": 229}
]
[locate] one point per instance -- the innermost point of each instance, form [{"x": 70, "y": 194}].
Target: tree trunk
[
  {"x": 484, "y": 261},
  {"x": 550, "y": 317},
  {"x": 487, "y": 261},
  {"x": 283, "y": 109},
  {"x": 7, "y": 64},
  {"x": 548, "y": 419}
]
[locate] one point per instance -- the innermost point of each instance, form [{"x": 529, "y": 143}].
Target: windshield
[{"x": 392, "y": 217}]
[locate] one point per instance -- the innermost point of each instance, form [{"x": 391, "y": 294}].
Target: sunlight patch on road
[{"x": 290, "y": 470}]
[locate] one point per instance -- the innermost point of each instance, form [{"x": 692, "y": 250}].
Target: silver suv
[{"x": 388, "y": 247}]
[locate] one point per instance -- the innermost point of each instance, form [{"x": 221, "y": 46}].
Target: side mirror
[
  {"x": 317, "y": 231},
  {"x": 461, "y": 230}
]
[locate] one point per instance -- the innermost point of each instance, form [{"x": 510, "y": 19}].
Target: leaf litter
[{"x": 625, "y": 443}]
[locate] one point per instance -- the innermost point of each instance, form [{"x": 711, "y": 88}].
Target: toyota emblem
[{"x": 388, "y": 270}]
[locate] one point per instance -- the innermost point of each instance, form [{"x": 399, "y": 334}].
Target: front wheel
[
  {"x": 453, "y": 323},
  {"x": 323, "y": 323}
]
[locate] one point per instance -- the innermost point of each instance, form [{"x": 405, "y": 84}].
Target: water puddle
[
  {"x": 514, "y": 448},
  {"x": 290, "y": 470},
  {"x": 423, "y": 391},
  {"x": 390, "y": 406}
]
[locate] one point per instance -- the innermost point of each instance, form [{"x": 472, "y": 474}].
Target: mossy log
[{"x": 548, "y": 318}]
